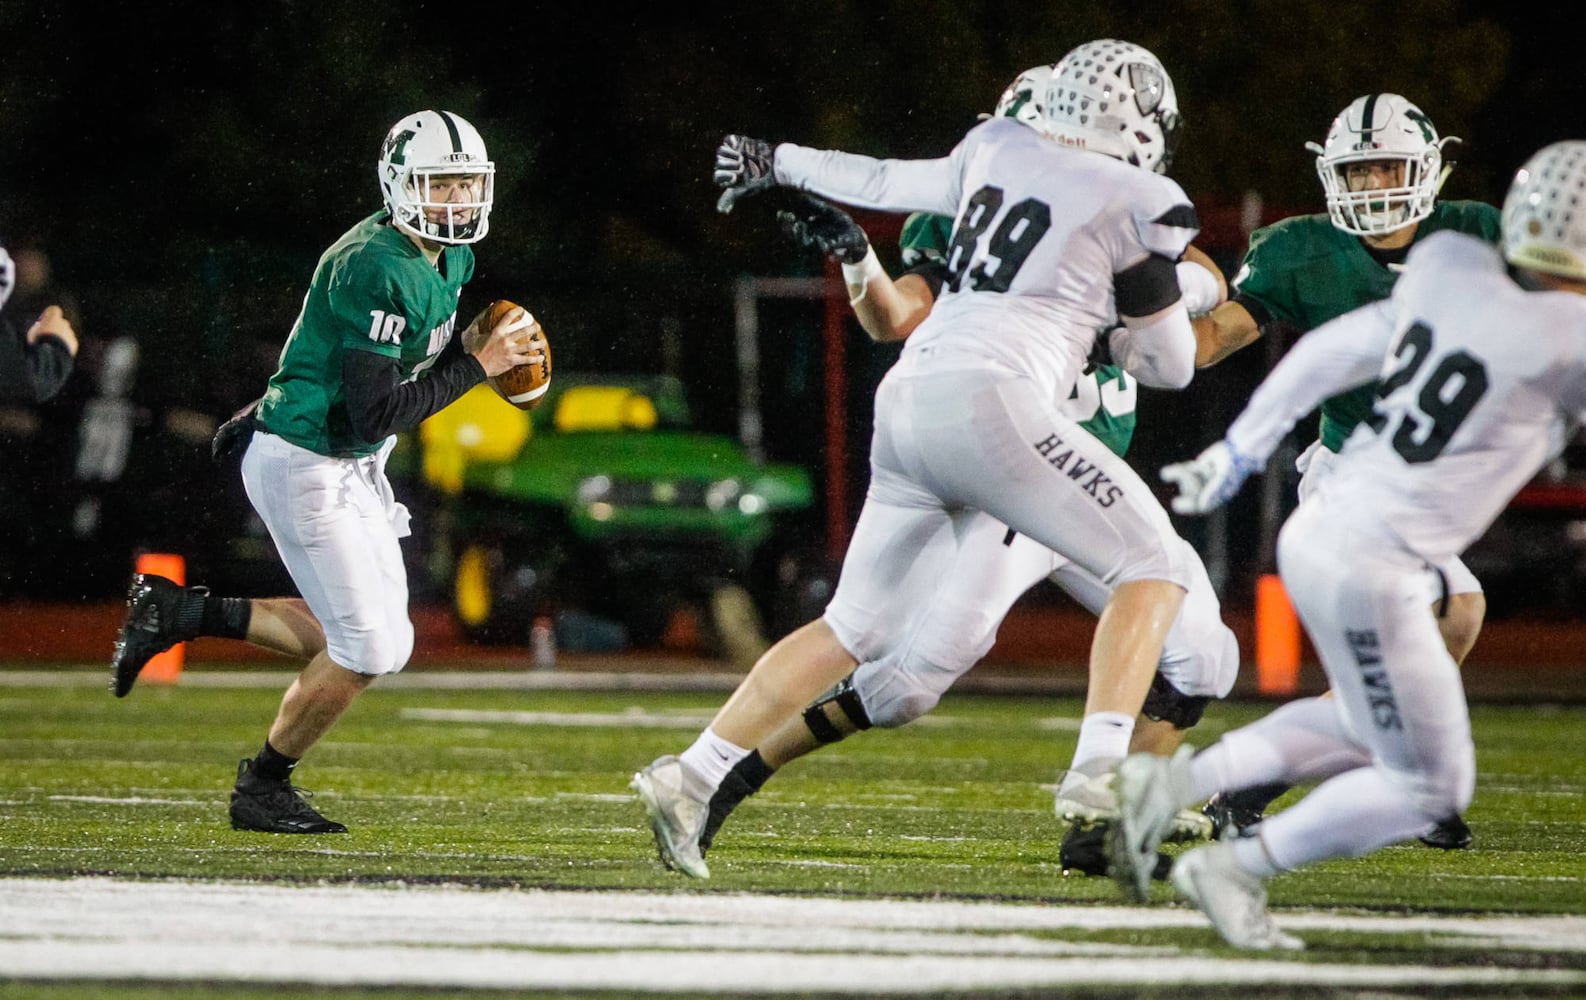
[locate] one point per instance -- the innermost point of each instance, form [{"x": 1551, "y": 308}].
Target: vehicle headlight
[
  {"x": 721, "y": 493},
  {"x": 594, "y": 489}
]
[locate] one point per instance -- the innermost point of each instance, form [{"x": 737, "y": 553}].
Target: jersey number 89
[{"x": 1010, "y": 242}]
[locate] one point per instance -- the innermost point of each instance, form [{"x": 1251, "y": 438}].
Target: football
[{"x": 524, "y": 386}]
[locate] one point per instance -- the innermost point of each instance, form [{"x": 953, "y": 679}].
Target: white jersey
[
  {"x": 1480, "y": 384},
  {"x": 1040, "y": 233}
]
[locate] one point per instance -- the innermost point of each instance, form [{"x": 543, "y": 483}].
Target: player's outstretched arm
[
  {"x": 743, "y": 167},
  {"x": 1223, "y": 331},
  {"x": 888, "y": 310}
]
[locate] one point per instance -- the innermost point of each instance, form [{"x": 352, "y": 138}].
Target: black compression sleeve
[
  {"x": 49, "y": 366},
  {"x": 1146, "y": 288},
  {"x": 31, "y": 373},
  {"x": 380, "y": 404},
  {"x": 1257, "y": 311}
]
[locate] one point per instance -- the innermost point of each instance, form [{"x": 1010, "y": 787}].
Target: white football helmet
[
  {"x": 1389, "y": 128},
  {"x": 1544, "y": 214},
  {"x": 1114, "y": 97},
  {"x": 436, "y": 144}
]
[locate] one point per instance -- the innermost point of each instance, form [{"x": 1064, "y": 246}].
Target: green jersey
[
  {"x": 1306, "y": 271},
  {"x": 1103, "y": 398},
  {"x": 373, "y": 290}
]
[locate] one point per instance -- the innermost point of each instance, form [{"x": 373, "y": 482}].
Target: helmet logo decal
[
  {"x": 1427, "y": 131},
  {"x": 396, "y": 146}
]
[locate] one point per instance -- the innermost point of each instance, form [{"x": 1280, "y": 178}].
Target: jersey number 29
[{"x": 1450, "y": 392}]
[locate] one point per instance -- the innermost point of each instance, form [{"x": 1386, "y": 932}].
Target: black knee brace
[
  {"x": 847, "y": 700},
  {"x": 1166, "y": 703}
]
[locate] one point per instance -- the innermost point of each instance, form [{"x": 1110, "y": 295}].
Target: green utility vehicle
[{"x": 604, "y": 504}]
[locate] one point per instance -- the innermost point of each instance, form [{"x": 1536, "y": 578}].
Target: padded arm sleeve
[
  {"x": 380, "y": 404},
  {"x": 1338, "y": 355},
  {"x": 1159, "y": 350},
  {"x": 886, "y": 185}
]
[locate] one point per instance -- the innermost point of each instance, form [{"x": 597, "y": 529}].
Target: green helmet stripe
[
  {"x": 451, "y": 130},
  {"x": 1368, "y": 116}
]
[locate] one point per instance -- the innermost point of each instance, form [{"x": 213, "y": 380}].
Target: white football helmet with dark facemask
[
  {"x": 1385, "y": 128},
  {"x": 1544, "y": 214},
  {"x": 1114, "y": 97},
  {"x": 436, "y": 144}
]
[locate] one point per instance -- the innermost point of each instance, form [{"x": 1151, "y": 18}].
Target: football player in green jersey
[
  {"x": 1200, "y": 658},
  {"x": 372, "y": 354},
  {"x": 1381, "y": 168}
]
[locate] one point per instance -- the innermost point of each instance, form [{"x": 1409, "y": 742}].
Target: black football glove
[
  {"x": 825, "y": 227},
  {"x": 743, "y": 167},
  {"x": 232, "y": 437}
]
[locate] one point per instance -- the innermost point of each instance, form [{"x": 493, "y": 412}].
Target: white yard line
[{"x": 105, "y": 928}]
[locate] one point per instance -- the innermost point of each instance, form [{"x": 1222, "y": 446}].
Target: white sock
[
  {"x": 1299, "y": 742},
  {"x": 712, "y": 756},
  {"x": 1103, "y": 743}
]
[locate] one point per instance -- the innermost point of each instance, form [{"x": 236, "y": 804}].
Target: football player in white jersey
[
  {"x": 952, "y": 628},
  {"x": 1052, "y": 243},
  {"x": 1481, "y": 358}
]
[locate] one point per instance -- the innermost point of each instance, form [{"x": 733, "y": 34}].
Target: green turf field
[{"x": 528, "y": 789}]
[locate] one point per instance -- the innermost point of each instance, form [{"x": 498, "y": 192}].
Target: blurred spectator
[
  {"x": 36, "y": 288},
  {"x": 33, "y": 364}
]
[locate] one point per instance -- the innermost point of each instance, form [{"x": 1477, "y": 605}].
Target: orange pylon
[{"x": 166, "y": 667}]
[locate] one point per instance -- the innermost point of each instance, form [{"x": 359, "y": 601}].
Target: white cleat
[
  {"x": 1086, "y": 801},
  {"x": 1148, "y": 796},
  {"x": 678, "y": 802},
  {"x": 1234, "y": 900}
]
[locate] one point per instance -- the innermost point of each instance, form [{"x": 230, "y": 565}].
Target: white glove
[
  {"x": 1208, "y": 481},
  {"x": 8, "y": 276}
]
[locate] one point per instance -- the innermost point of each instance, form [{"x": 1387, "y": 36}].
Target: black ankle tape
[
  {"x": 754, "y": 771},
  {"x": 272, "y": 765},
  {"x": 746, "y": 777},
  {"x": 188, "y": 620},
  {"x": 226, "y": 617}
]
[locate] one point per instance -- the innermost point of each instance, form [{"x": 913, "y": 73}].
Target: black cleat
[
  {"x": 1240, "y": 810},
  {"x": 1084, "y": 850},
  {"x": 274, "y": 806},
  {"x": 1452, "y": 834},
  {"x": 160, "y": 614}
]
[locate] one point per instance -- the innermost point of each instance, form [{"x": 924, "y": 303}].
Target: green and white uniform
[
  {"x": 373, "y": 290},
  {"x": 1306, "y": 271},
  {"x": 322, "y": 490}
]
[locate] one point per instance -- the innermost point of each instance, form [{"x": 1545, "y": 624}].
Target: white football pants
[
  {"x": 335, "y": 524},
  {"x": 950, "y": 445},
  {"x": 1394, "y": 740}
]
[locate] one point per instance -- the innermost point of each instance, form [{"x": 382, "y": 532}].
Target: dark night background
[{"x": 184, "y": 165}]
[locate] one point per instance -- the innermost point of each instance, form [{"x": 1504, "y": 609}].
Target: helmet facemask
[
  {"x": 1381, "y": 128},
  {"x": 420, "y": 156}
]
